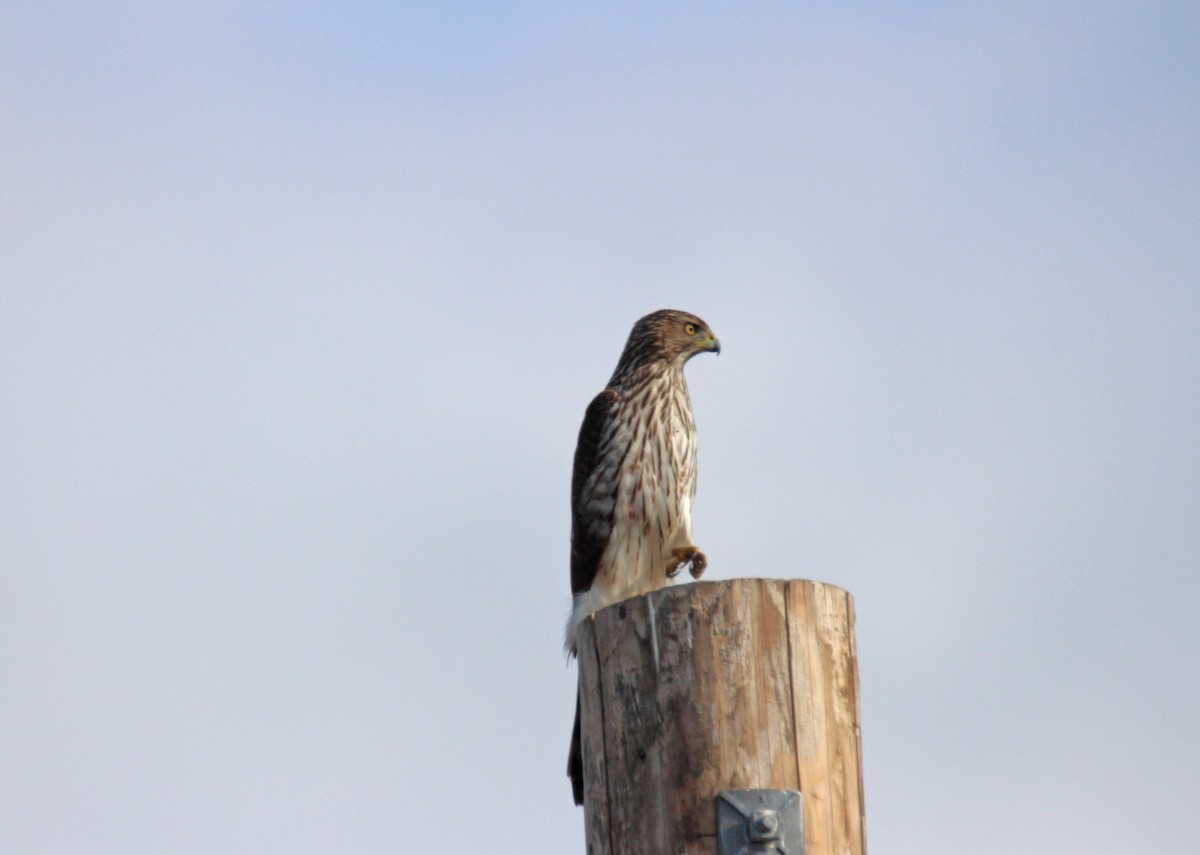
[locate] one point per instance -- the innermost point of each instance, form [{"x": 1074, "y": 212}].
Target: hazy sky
[{"x": 301, "y": 306}]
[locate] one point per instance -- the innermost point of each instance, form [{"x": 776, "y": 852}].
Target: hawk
[{"x": 634, "y": 479}]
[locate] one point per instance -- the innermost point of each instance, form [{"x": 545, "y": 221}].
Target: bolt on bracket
[{"x": 757, "y": 822}]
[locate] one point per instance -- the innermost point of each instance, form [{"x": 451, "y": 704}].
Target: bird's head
[
  {"x": 667, "y": 336},
  {"x": 676, "y": 335}
]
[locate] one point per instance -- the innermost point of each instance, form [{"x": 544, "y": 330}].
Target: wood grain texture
[{"x": 715, "y": 686}]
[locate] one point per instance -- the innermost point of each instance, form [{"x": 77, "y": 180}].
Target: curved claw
[{"x": 696, "y": 560}]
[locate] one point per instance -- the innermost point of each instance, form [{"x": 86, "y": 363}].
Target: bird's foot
[{"x": 696, "y": 560}]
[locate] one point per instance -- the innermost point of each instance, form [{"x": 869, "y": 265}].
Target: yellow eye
[{"x": 690, "y": 329}]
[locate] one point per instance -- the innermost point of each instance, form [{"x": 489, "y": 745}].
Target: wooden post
[{"x": 694, "y": 689}]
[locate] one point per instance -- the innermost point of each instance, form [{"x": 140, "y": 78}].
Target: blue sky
[{"x": 300, "y": 308}]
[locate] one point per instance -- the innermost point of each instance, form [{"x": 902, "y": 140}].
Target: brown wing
[{"x": 587, "y": 548}]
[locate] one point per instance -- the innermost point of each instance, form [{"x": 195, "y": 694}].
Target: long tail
[{"x": 575, "y": 758}]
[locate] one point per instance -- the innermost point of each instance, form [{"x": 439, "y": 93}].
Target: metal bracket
[{"x": 755, "y": 822}]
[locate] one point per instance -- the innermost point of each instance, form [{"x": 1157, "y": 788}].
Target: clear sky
[{"x": 301, "y": 306}]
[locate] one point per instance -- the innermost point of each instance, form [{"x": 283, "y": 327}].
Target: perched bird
[{"x": 634, "y": 479}]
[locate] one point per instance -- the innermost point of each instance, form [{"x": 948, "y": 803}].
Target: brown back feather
[{"x": 586, "y": 549}]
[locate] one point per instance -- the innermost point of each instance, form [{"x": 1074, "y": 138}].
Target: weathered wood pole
[{"x": 694, "y": 689}]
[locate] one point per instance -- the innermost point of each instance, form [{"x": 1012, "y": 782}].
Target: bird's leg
[
  {"x": 682, "y": 555},
  {"x": 689, "y": 555}
]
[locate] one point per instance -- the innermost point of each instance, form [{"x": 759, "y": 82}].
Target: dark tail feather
[{"x": 575, "y": 759}]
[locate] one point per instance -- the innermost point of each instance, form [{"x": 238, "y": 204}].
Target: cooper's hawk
[{"x": 634, "y": 479}]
